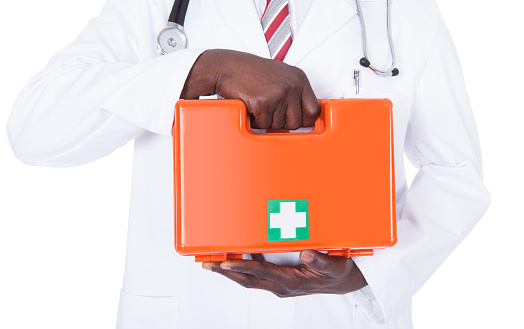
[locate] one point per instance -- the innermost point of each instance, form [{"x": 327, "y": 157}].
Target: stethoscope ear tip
[{"x": 395, "y": 72}]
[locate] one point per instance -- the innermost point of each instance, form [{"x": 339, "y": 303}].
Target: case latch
[
  {"x": 216, "y": 257},
  {"x": 351, "y": 253}
]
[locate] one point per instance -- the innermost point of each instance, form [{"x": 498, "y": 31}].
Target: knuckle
[
  {"x": 275, "y": 91},
  {"x": 263, "y": 121},
  {"x": 293, "y": 79},
  {"x": 299, "y": 72},
  {"x": 303, "y": 79},
  {"x": 259, "y": 105},
  {"x": 255, "y": 106},
  {"x": 312, "y": 111},
  {"x": 322, "y": 264},
  {"x": 296, "y": 88},
  {"x": 309, "y": 116}
]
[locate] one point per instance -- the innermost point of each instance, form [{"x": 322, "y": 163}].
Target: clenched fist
[{"x": 276, "y": 94}]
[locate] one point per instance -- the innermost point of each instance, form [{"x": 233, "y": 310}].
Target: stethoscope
[{"x": 173, "y": 38}]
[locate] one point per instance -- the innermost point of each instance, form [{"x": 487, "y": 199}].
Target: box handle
[{"x": 317, "y": 128}]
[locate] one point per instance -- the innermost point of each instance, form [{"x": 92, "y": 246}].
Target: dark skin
[
  {"x": 277, "y": 96},
  {"x": 319, "y": 274}
]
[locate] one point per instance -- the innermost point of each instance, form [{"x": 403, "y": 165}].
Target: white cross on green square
[{"x": 288, "y": 220}]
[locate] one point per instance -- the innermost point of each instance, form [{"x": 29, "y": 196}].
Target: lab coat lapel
[
  {"x": 243, "y": 22},
  {"x": 324, "y": 18}
]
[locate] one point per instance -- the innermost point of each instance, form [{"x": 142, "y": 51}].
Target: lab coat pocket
[
  {"x": 402, "y": 103},
  {"x": 362, "y": 320},
  {"x": 346, "y": 88},
  {"x": 371, "y": 86},
  {"x": 401, "y": 320},
  {"x": 144, "y": 312}
]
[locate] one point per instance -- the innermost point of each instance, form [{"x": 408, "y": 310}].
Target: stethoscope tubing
[
  {"x": 173, "y": 37},
  {"x": 178, "y": 13},
  {"x": 391, "y": 70}
]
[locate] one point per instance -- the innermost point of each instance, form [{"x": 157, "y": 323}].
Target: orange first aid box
[{"x": 238, "y": 192}]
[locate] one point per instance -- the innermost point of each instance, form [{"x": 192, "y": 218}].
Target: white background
[{"x": 63, "y": 231}]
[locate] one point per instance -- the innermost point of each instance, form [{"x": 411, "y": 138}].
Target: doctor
[{"x": 110, "y": 86}]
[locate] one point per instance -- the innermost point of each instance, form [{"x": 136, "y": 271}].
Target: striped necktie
[{"x": 277, "y": 29}]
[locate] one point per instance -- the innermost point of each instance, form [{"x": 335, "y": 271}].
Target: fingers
[
  {"x": 246, "y": 280},
  {"x": 276, "y": 94},
  {"x": 302, "y": 109},
  {"x": 258, "y": 257},
  {"x": 329, "y": 265},
  {"x": 260, "y": 270},
  {"x": 319, "y": 274},
  {"x": 279, "y": 117},
  {"x": 310, "y": 106},
  {"x": 294, "y": 114},
  {"x": 284, "y": 117},
  {"x": 262, "y": 118},
  {"x": 281, "y": 280}
]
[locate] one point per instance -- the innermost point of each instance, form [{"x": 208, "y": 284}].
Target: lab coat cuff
[
  {"x": 148, "y": 99},
  {"x": 367, "y": 298}
]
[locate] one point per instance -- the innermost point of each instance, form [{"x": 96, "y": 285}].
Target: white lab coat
[{"x": 110, "y": 87}]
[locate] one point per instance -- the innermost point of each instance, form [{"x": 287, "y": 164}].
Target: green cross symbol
[{"x": 288, "y": 220}]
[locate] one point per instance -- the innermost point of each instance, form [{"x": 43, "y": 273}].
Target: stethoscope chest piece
[{"x": 171, "y": 39}]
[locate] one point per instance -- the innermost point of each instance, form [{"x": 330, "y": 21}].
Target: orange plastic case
[{"x": 238, "y": 192}]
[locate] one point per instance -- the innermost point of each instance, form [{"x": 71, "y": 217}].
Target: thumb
[{"x": 329, "y": 265}]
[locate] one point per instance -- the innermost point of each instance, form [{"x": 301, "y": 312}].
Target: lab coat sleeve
[
  {"x": 446, "y": 198},
  {"x": 96, "y": 94}
]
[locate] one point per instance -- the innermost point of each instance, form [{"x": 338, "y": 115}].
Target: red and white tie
[{"x": 277, "y": 29}]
